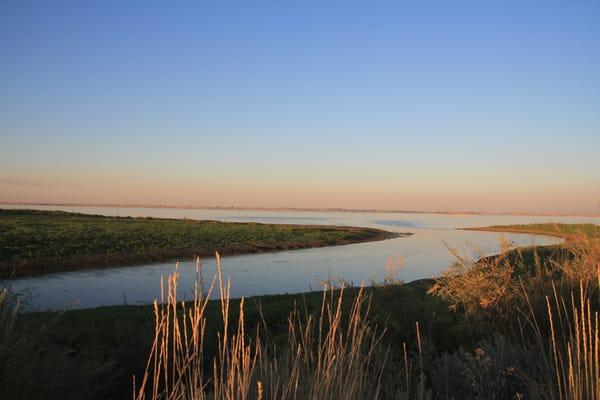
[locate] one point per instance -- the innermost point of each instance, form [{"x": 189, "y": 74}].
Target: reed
[
  {"x": 545, "y": 312},
  {"x": 575, "y": 344},
  {"x": 337, "y": 353},
  {"x": 536, "y": 328}
]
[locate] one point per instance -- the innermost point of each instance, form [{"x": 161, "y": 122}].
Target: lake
[{"x": 425, "y": 254}]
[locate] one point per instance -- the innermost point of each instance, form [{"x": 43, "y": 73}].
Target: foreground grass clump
[
  {"x": 34, "y": 242},
  {"x": 336, "y": 350},
  {"x": 537, "y": 315},
  {"x": 332, "y": 356}
]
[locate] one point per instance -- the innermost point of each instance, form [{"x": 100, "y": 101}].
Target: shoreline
[
  {"x": 27, "y": 268},
  {"x": 421, "y": 282},
  {"x": 305, "y": 209},
  {"x": 515, "y": 230}
]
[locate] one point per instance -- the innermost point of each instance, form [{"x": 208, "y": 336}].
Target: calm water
[{"x": 425, "y": 254}]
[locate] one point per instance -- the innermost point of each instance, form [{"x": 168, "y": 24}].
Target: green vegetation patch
[
  {"x": 553, "y": 229},
  {"x": 34, "y": 242}
]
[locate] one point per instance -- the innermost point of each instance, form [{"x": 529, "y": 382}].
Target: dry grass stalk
[
  {"x": 479, "y": 286},
  {"x": 575, "y": 347},
  {"x": 332, "y": 355},
  {"x": 551, "y": 309}
]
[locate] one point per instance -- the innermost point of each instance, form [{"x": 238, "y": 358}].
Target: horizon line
[{"x": 304, "y": 209}]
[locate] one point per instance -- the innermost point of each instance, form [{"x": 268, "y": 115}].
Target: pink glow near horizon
[{"x": 318, "y": 195}]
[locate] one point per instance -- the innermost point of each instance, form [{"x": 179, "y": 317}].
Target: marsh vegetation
[
  {"x": 34, "y": 242},
  {"x": 519, "y": 325}
]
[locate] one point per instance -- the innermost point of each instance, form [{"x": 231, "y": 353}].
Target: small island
[
  {"x": 565, "y": 231},
  {"x": 35, "y": 242}
]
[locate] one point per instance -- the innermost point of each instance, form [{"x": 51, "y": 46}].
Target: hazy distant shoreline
[
  {"x": 564, "y": 231},
  {"x": 300, "y": 209}
]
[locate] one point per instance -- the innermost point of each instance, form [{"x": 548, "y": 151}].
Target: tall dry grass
[
  {"x": 480, "y": 287},
  {"x": 545, "y": 311},
  {"x": 535, "y": 317},
  {"x": 336, "y": 353},
  {"x": 574, "y": 325},
  {"x": 575, "y": 339}
]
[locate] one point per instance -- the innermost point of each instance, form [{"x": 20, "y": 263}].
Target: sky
[{"x": 449, "y": 105}]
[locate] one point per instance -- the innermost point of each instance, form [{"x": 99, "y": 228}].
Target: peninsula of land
[{"x": 34, "y": 242}]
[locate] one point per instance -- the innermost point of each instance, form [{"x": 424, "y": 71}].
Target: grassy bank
[
  {"x": 566, "y": 231},
  {"x": 35, "y": 242}
]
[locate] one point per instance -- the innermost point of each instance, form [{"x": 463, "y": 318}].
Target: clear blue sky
[{"x": 444, "y": 105}]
